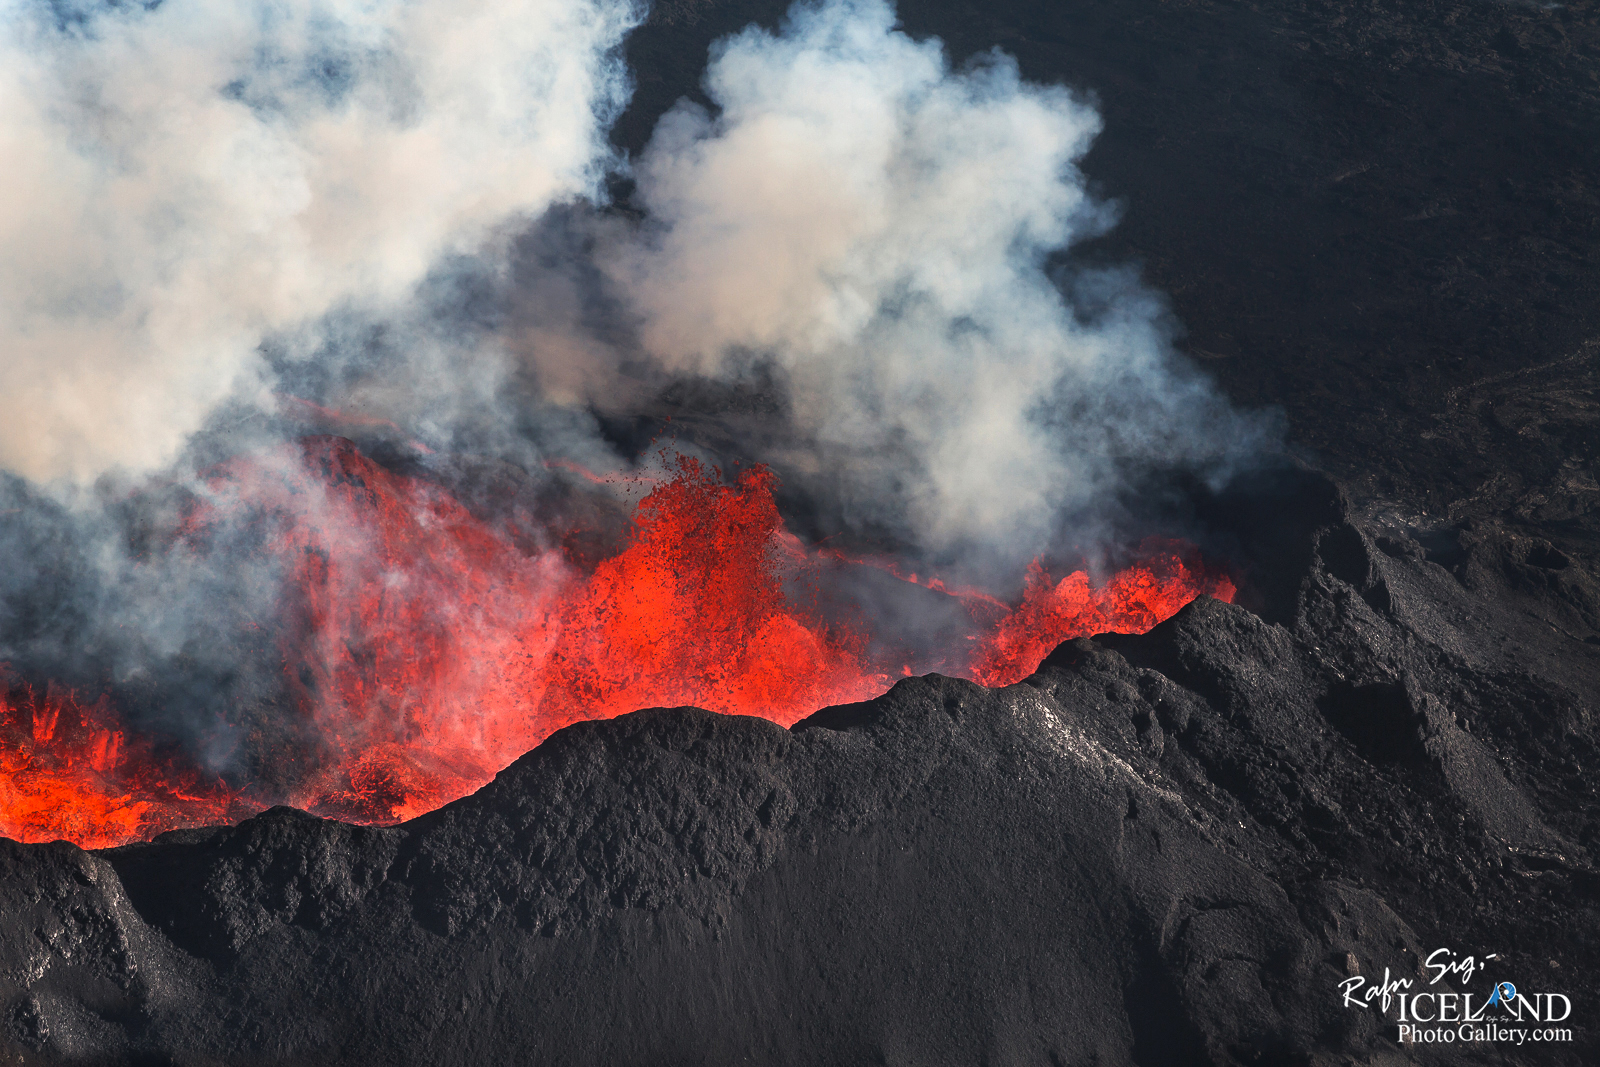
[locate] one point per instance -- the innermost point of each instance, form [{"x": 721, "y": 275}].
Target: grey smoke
[
  {"x": 188, "y": 179},
  {"x": 396, "y": 209},
  {"x": 198, "y": 195},
  {"x": 871, "y": 228}
]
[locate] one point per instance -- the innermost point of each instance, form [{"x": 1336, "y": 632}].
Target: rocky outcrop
[{"x": 1164, "y": 849}]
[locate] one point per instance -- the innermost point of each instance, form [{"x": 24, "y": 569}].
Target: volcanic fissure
[{"x": 424, "y": 648}]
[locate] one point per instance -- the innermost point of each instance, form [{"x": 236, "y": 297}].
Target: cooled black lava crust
[{"x": 1158, "y": 850}]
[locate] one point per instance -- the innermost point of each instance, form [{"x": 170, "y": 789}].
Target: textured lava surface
[{"x": 1158, "y": 849}]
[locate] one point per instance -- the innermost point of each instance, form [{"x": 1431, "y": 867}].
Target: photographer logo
[{"x": 1500, "y": 1014}]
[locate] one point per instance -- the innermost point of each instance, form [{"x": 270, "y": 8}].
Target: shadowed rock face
[{"x": 1164, "y": 849}]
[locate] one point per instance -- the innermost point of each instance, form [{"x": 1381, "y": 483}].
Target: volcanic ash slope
[{"x": 1158, "y": 850}]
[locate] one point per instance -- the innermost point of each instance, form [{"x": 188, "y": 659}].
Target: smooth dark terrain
[{"x": 1167, "y": 849}]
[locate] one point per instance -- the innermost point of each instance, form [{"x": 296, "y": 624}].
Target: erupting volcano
[
  {"x": 425, "y": 647},
  {"x": 568, "y": 532}
]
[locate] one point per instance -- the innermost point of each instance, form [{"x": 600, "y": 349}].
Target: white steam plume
[
  {"x": 183, "y": 180},
  {"x": 208, "y": 200},
  {"x": 875, "y": 226}
]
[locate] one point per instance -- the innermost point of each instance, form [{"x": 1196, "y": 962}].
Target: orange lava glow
[
  {"x": 70, "y": 771},
  {"x": 426, "y": 648},
  {"x": 1167, "y": 576}
]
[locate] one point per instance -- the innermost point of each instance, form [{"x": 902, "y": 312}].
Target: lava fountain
[{"x": 425, "y": 647}]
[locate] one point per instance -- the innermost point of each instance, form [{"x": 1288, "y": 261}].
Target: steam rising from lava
[
  {"x": 873, "y": 228},
  {"x": 227, "y": 225},
  {"x": 187, "y": 179},
  {"x": 865, "y": 233}
]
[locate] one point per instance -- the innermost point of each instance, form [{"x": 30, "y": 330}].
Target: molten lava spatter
[
  {"x": 1167, "y": 576},
  {"x": 428, "y": 651},
  {"x": 414, "y": 634},
  {"x": 425, "y": 648},
  {"x": 72, "y": 771},
  {"x": 694, "y": 611}
]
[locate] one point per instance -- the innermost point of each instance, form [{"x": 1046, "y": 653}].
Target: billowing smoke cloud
[
  {"x": 187, "y": 179},
  {"x": 393, "y": 209},
  {"x": 871, "y": 228}
]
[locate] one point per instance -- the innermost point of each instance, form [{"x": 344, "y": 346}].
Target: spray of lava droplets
[{"x": 425, "y": 649}]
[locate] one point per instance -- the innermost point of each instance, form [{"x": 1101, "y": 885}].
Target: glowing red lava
[
  {"x": 70, "y": 771},
  {"x": 425, "y": 650},
  {"x": 1167, "y": 576}
]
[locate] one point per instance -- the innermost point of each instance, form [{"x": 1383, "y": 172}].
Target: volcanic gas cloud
[
  {"x": 252, "y": 232},
  {"x": 428, "y": 650}
]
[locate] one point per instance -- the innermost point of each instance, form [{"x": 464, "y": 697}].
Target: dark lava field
[{"x": 1173, "y": 849}]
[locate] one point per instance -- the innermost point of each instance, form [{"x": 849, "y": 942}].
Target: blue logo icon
[{"x": 1504, "y": 994}]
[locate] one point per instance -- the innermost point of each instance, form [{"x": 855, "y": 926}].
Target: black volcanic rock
[{"x": 1162, "y": 849}]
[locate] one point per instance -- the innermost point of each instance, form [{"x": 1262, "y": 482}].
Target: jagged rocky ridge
[{"x": 1164, "y": 849}]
